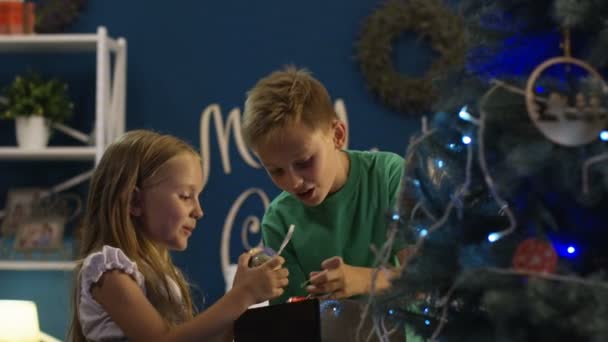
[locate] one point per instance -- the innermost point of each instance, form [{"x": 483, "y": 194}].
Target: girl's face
[{"x": 168, "y": 209}]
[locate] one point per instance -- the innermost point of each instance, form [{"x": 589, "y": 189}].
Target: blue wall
[{"x": 185, "y": 57}]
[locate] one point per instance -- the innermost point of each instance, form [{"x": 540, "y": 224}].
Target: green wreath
[{"x": 431, "y": 20}]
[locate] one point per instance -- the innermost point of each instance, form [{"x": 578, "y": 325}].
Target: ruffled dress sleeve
[{"x": 95, "y": 322}]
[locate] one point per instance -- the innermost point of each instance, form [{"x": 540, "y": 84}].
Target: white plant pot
[{"x": 32, "y": 132}]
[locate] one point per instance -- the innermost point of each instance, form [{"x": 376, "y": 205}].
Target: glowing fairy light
[
  {"x": 466, "y": 139},
  {"x": 565, "y": 249},
  {"x": 494, "y": 237},
  {"x": 466, "y": 116},
  {"x": 331, "y": 304},
  {"x": 604, "y": 135}
]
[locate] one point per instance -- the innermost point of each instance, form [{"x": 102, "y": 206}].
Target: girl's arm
[{"x": 129, "y": 308}]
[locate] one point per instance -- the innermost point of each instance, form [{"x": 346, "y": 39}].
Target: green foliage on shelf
[{"x": 31, "y": 95}]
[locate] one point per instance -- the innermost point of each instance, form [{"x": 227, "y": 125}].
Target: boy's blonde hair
[
  {"x": 131, "y": 161},
  {"x": 285, "y": 97}
]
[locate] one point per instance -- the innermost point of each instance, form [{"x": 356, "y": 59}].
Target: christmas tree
[{"x": 505, "y": 193}]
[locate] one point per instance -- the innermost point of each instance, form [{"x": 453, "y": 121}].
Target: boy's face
[
  {"x": 168, "y": 210},
  {"x": 307, "y": 163}
]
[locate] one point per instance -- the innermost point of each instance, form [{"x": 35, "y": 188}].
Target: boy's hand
[
  {"x": 260, "y": 283},
  {"x": 338, "y": 280}
]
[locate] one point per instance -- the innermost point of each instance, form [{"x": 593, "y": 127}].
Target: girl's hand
[{"x": 260, "y": 283}]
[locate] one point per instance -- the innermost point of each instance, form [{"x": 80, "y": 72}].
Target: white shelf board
[
  {"x": 49, "y": 153},
  {"x": 52, "y": 43},
  {"x": 28, "y": 265}
]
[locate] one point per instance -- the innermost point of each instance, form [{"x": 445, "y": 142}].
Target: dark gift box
[{"x": 310, "y": 320}]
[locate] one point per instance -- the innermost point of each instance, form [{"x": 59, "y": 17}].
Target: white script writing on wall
[
  {"x": 251, "y": 225},
  {"x": 223, "y": 133}
]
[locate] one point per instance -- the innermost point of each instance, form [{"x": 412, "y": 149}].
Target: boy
[{"x": 338, "y": 200}]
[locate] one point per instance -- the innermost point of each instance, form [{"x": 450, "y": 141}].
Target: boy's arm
[
  {"x": 340, "y": 280},
  {"x": 395, "y": 175}
]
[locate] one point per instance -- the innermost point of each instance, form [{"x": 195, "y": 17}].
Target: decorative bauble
[
  {"x": 535, "y": 255},
  {"x": 260, "y": 256}
]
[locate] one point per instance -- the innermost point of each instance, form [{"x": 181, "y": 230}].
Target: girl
[{"x": 142, "y": 203}]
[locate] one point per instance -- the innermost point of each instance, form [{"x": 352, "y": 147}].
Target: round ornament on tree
[{"x": 535, "y": 255}]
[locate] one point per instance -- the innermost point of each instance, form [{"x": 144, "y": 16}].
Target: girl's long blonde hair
[{"x": 132, "y": 160}]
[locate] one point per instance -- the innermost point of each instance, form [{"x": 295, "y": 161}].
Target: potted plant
[{"x": 34, "y": 103}]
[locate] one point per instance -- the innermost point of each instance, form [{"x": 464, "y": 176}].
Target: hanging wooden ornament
[{"x": 571, "y": 118}]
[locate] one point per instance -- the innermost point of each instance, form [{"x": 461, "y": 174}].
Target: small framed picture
[
  {"x": 41, "y": 233},
  {"x": 18, "y": 208}
]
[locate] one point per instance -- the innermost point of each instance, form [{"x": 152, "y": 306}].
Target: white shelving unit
[
  {"x": 110, "y": 97},
  {"x": 50, "y": 153},
  {"x": 30, "y": 265}
]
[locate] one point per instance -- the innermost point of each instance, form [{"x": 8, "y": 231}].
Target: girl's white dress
[{"x": 95, "y": 322}]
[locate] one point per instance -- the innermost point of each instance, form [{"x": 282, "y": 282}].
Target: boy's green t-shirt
[{"x": 345, "y": 224}]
